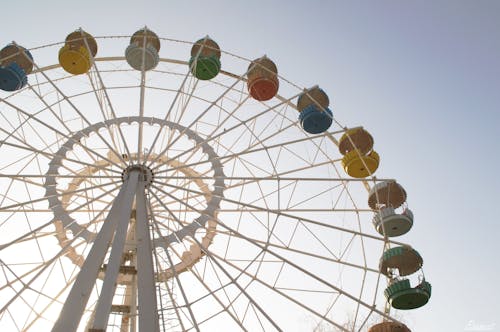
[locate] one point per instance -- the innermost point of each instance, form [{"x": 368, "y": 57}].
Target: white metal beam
[
  {"x": 147, "y": 307},
  {"x": 103, "y": 307},
  {"x": 74, "y": 306}
]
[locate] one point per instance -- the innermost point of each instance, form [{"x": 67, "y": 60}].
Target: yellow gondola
[{"x": 76, "y": 55}]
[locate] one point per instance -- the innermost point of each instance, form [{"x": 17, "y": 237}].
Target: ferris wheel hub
[{"x": 145, "y": 173}]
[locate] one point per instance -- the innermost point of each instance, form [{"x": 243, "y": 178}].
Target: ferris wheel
[{"x": 154, "y": 184}]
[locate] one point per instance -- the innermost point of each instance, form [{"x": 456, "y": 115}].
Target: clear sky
[{"x": 422, "y": 76}]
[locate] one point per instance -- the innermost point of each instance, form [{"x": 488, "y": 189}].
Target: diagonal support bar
[
  {"x": 78, "y": 297},
  {"x": 103, "y": 307}
]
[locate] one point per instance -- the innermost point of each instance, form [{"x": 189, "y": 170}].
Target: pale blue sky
[{"x": 422, "y": 76}]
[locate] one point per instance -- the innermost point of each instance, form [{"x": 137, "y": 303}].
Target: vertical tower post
[
  {"x": 114, "y": 231},
  {"x": 148, "y": 313}
]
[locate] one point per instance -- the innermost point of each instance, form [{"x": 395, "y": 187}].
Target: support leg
[
  {"x": 78, "y": 297},
  {"x": 148, "y": 311}
]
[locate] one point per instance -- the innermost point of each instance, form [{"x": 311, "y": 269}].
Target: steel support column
[
  {"x": 147, "y": 307},
  {"x": 78, "y": 297},
  {"x": 108, "y": 289}
]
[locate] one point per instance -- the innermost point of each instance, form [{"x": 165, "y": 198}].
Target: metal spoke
[
  {"x": 234, "y": 281},
  {"x": 281, "y": 213},
  {"x": 278, "y": 256}
]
